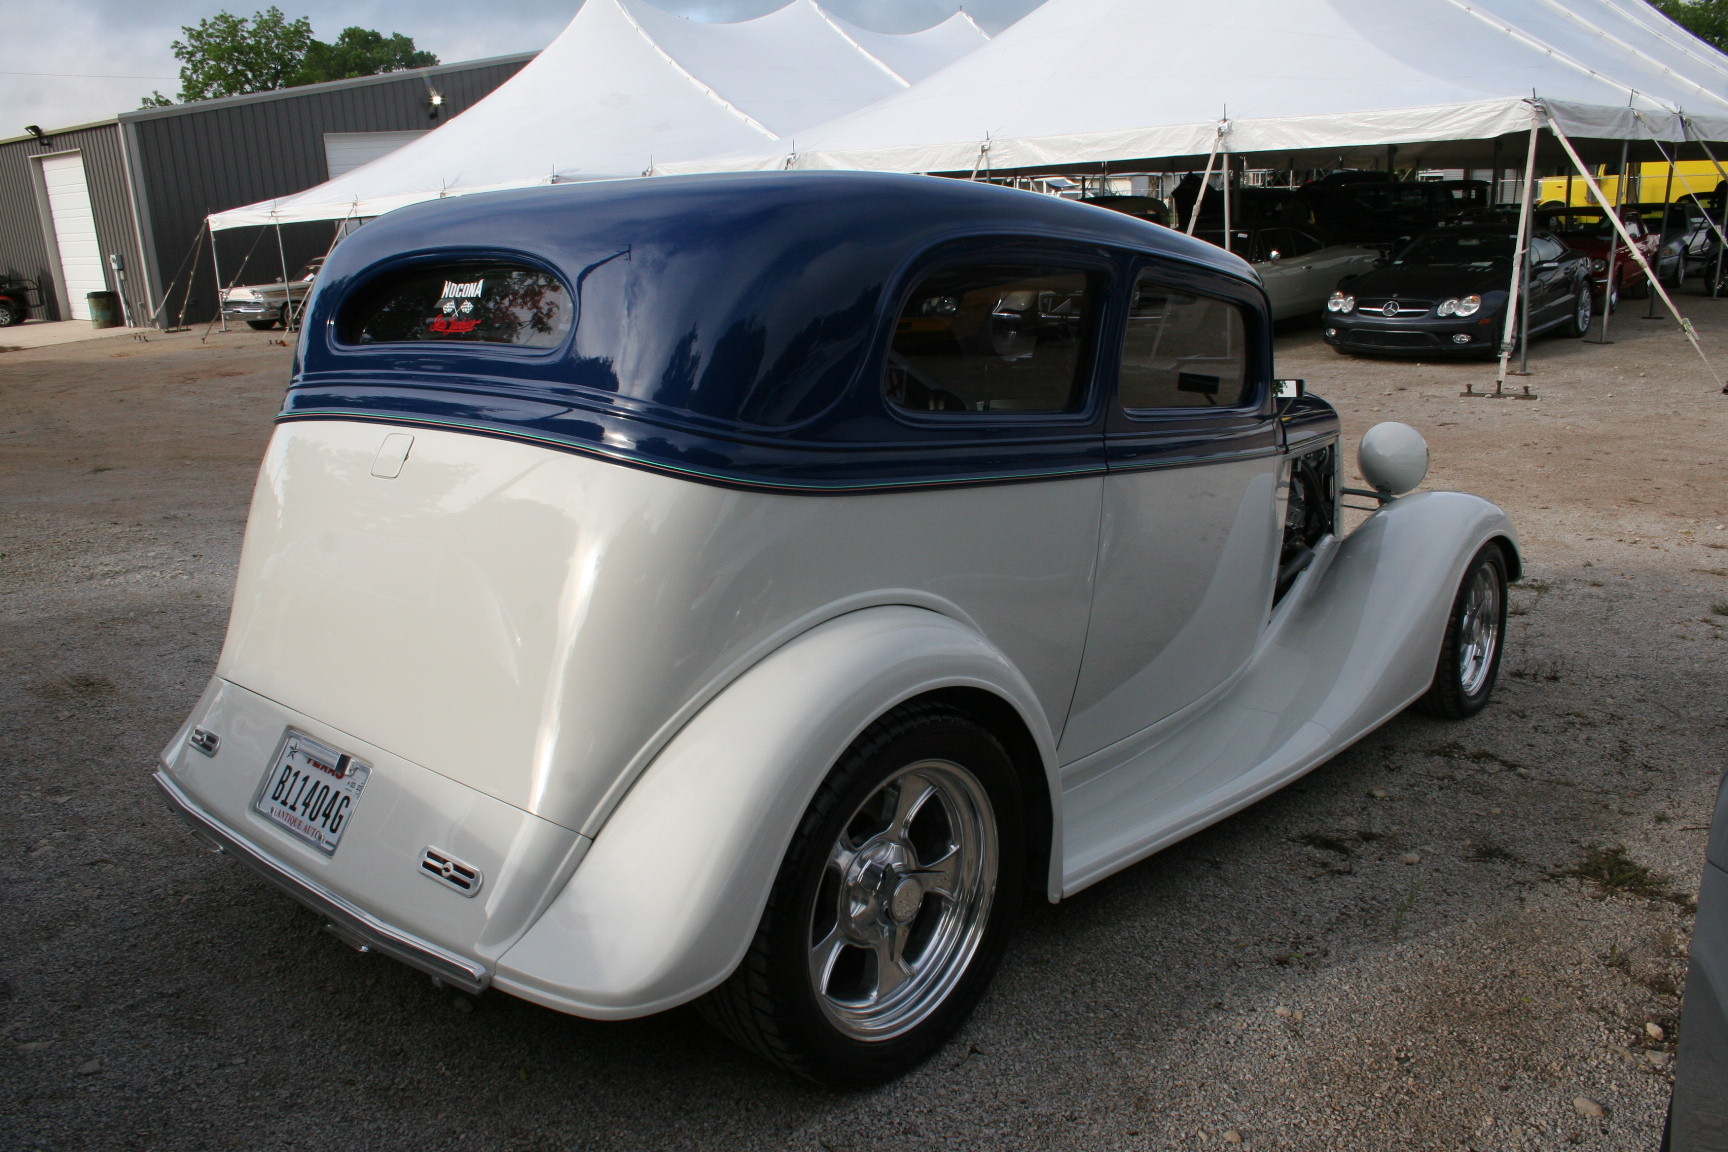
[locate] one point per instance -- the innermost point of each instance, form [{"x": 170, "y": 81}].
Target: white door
[
  {"x": 74, "y": 230},
  {"x": 1188, "y": 539}
]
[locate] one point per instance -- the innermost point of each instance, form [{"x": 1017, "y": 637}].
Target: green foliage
[
  {"x": 228, "y": 55},
  {"x": 360, "y": 52},
  {"x": 1705, "y": 19}
]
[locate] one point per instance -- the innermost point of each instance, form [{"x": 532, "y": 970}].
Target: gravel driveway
[{"x": 1453, "y": 936}]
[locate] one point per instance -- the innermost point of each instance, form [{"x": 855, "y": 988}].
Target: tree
[
  {"x": 360, "y": 52},
  {"x": 1705, "y": 19},
  {"x": 227, "y": 55}
]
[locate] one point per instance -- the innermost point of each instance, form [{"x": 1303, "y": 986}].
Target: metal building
[{"x": 119, "y": 205}]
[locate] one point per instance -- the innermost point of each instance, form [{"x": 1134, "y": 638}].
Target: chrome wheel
[
  {"x": 1586, "y": 313},
  {"x": 904, "y": 900},
  {"x": 1479, "y": 631}
]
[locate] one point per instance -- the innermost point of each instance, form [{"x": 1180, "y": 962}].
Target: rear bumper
[{"x": 349, "y": 923}]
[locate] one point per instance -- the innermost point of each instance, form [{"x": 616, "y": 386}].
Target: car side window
[
  {"x": 1182, "y": 350},
  {"x": 1288, "y": 242},
  {"x": 997, "y": 338},
  {"x": 1545, "y": 248}
]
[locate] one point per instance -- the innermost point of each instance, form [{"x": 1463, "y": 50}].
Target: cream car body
[{"x": 600, "y": 610}]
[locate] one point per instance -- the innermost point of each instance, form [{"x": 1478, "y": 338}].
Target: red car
[
  {"x": 1588, "y": 230},
  {"x": 17, "y": 297}
]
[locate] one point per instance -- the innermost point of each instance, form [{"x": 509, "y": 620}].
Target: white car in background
[
  {"x": 264, "y": 306},
  {"x": 1298, "y": 269}
]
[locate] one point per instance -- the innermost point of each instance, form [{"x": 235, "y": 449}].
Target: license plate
[{"x": 311, "y": 790}]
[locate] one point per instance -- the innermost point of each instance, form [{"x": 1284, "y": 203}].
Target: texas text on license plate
[{"x": 311, "y": 790}]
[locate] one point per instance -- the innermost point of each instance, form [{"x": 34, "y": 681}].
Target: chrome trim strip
[{"x": 348, "y": 922}]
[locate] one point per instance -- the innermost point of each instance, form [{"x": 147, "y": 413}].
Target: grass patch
[
  {"x": 1492, "y": 853},
  {"x": 1719, "y": 608},
  {"x": 1612, "y": 871}
]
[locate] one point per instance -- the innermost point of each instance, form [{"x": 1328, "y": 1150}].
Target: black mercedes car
[{"x": 1445, "y": 292}]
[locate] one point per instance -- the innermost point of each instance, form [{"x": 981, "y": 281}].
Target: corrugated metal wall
[
  {"x": 221, "y": 154},
  {"x": 24, "y": 249}
]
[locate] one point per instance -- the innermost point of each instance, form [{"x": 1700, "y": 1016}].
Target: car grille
[
  {"x": 1367, "y": 338},
  {"x": 1401, "y": 307}
]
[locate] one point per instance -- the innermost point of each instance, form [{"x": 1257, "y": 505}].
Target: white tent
[
  {"x": 625, "y": 86},
  {"x": 1089, "y": 82}
]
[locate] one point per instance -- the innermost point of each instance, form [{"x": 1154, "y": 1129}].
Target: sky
[{"x": 69, "y": 62}]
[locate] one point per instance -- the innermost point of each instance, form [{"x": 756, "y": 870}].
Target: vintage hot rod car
[{"x": 741, "y": 588}]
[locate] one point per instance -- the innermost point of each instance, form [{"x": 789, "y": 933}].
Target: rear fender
[{"x": 665, "y": 903}]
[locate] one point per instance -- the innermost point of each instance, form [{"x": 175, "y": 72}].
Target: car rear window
[
  {"x": 471, "y": 303},
  {"x": 1182, "y": 351},
  {"x": 993, "y": 338}
]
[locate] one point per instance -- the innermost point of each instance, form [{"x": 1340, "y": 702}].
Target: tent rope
[
  {"x": 1637, "y": 254},
  {"x": 221, "y": 292},
  {"x": 1220, "y": 129}
]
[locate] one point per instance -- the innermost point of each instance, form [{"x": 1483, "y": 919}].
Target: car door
[
  {"x": 1552, "y": 284},
  {"x": 1188, "y": 534},
  {"x": 1289, "y": 255}
]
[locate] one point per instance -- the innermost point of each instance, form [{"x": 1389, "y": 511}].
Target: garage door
[
  {"x": 74, "y": 230},
  {"x": 346, "y": 151}
]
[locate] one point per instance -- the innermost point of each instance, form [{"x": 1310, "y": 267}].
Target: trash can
[{"x": 105, "y": 309}]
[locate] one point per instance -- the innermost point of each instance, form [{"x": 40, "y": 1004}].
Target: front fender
[{"x": 664, "y": 904}]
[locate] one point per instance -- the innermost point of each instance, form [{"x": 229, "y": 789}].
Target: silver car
[{"x": 1298, "y": 269}]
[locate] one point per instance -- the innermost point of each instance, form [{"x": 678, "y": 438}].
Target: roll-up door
[{"x": 74, "y": 230}]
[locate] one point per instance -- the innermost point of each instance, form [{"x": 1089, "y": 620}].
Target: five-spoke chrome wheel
[
  {"x": 892, "y": 906},
  {"x": 1479, "y": 630},
  {"x": 1470, "y": 652},
  {"x": 904, "y": 900}
]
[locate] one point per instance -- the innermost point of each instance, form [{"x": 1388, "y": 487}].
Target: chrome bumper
[{"x": 348, "y": 923}]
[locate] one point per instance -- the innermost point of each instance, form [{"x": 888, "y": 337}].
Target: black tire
[
  {"x": 1469, "y": 661},
  {"x": 261, "y": 325},
  {"x": 10, "y": 314},
  {"x": 772, "y": 1004},
  {"x": 1583, "y": 312}
]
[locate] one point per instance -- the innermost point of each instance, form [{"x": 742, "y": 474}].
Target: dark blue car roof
[{"x": 728, "y": 326}]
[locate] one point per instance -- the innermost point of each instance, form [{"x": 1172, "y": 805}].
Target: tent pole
[
  {"x": 1722, "y": 245},
  {"x": 1520, "y": 258},
  {"x": 1229, "y": 171},
  {"x": 216, "y": 271},
  {"x": 1667, "y": 206},
  {"x": 1608, "y": 294},
  {"x": 1620, "y": 227},
  {"x": 283, "y": 254}
]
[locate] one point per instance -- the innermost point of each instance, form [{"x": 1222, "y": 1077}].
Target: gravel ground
[{"x": 1394, "y": 952}]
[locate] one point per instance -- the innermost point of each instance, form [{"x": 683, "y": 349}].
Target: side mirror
[
  {"x": 1274, "y": 255},
  {"x": 1393, "y": 458},
  {"x": 1289, "y": 389}
]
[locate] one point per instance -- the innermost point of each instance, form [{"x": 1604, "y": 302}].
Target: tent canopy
[
  {"x": 1088, "y": 82},
  {"x": 627, "y": 85}
]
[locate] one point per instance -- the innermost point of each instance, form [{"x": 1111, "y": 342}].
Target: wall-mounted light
[
  {"x": 36, "y": 131},
  {"x": 434, "y": 101}
]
